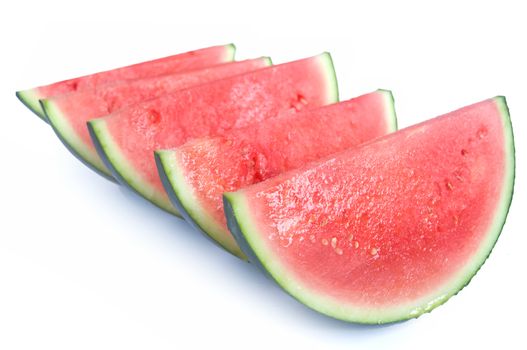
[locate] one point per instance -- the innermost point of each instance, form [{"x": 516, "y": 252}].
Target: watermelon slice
[
  {"x": 126, "y": 140},
  {"x": 196, "y": 174},
  {"x": 68, "y": 113},
  {"x": 390, "y": 230},
  {"x": 172, "y": 64}
]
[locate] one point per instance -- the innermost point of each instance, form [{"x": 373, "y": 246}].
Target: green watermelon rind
[
  {"x": 62, "y": 127},
  {"x": 244, "y": 230},
  {"x": 328, "y": 68},
  {"x": 392, "y": 115},
  {"x": 30, "y": 99},
  {"x": 183, "y": 198},
  {"x": 121, "y": 168},
  {"x": 230, "y": 51}
]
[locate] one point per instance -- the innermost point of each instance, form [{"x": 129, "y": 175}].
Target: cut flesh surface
[
  {"x": 126, "y": 140},
  {"x": 68, "y": 113},
  {"x": 172, "y": 64},
  {"x": 197, "y": 174},
  {"x": 389, "y": 230}
]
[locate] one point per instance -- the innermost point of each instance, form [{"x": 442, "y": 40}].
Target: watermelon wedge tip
[{"x": 186, "y": 61}]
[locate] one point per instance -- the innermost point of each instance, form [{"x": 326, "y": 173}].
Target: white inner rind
[
  {"x": 65, "y": 131},
  {"x": 390, "y": 114},
  {"x": 186, "y": 195},
  {"x": 31, "y": 99},
  {"x": 362, "y": 314},
  {"x": 122, "y": 166},
  {"x": 328, "y": 72},
  {"x": 230, "y": 51}
]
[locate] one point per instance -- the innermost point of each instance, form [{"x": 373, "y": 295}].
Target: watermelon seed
[
  {"x": 356, "y": 244},
  {"x": 334, "y": 242},
  {"x": 464, "y": 152},
  {"x": 351, "y": 236},
  {"x": 457, "y": 174},
  {"x": 324, "y": 241},
  {"x": 373, "y": 251},
  {"x": 449, "y": 186},
  {"x": 154, "y": 116},
  {"x": 456, "y": 219},
  {"x": 482, "y": 132},
  {"x": 288, "y": 242},
  {"x": 338, "y": 251},
  {"x": 74, "y": 85},
  {"x": 312, "y": 238}
]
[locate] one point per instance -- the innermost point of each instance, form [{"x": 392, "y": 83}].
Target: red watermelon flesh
[
  {"x": 68, "y": 113},
  {"x": 197, "y": 174},
  {"x": 126, "y": 140},
  {"x": 389, "y": 230},
  {"x": 177, "y": 63}
]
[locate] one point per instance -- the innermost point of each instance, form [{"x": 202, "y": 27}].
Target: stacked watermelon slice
[{"x": 353, "y": 218}]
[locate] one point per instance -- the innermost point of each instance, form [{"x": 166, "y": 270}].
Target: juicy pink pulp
[
  {"x": 393, "y": 220},
  {"x": 213, "y": 109},
  {"x": 252, "y": 154},
  {"x": 177, "y": 63},
  {"x": 81, "y": 106}
]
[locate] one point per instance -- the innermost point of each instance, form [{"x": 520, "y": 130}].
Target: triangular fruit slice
[
  {"x": 172, "y": 64},
  {"x": 389, "y": 230},
  {"x": 197, "y": 174},
  {"x": 126, "y": 140},
  {"x": 68, "y": 113}
]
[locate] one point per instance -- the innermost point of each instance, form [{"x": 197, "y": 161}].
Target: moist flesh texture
[
  {"x": 68, "y": 113},
  {"x": 177, "y": 63},
  {"x": 200, "y": 171},
  {"x": 127, "y": 139},
  {"x": 389, "y": 230}
]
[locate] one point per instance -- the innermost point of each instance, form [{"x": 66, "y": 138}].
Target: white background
[{"x": 86, "y": 265}]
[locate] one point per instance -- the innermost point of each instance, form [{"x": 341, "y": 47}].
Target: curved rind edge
[
  {"x": 230, "y": 52},
  {"x": 64, "y": 132},
  {"x": 240, "y": 223},
  {"x": 268, "y": 61},
  {"x": 391, "y": 114},
  {"x": 30, "y": 99},
  {"x": 116, "y": 162},
  {"x": 229, "y": 201},
  {"x": 330, "y": 75},
  {"x": 172, "y": 183}
]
